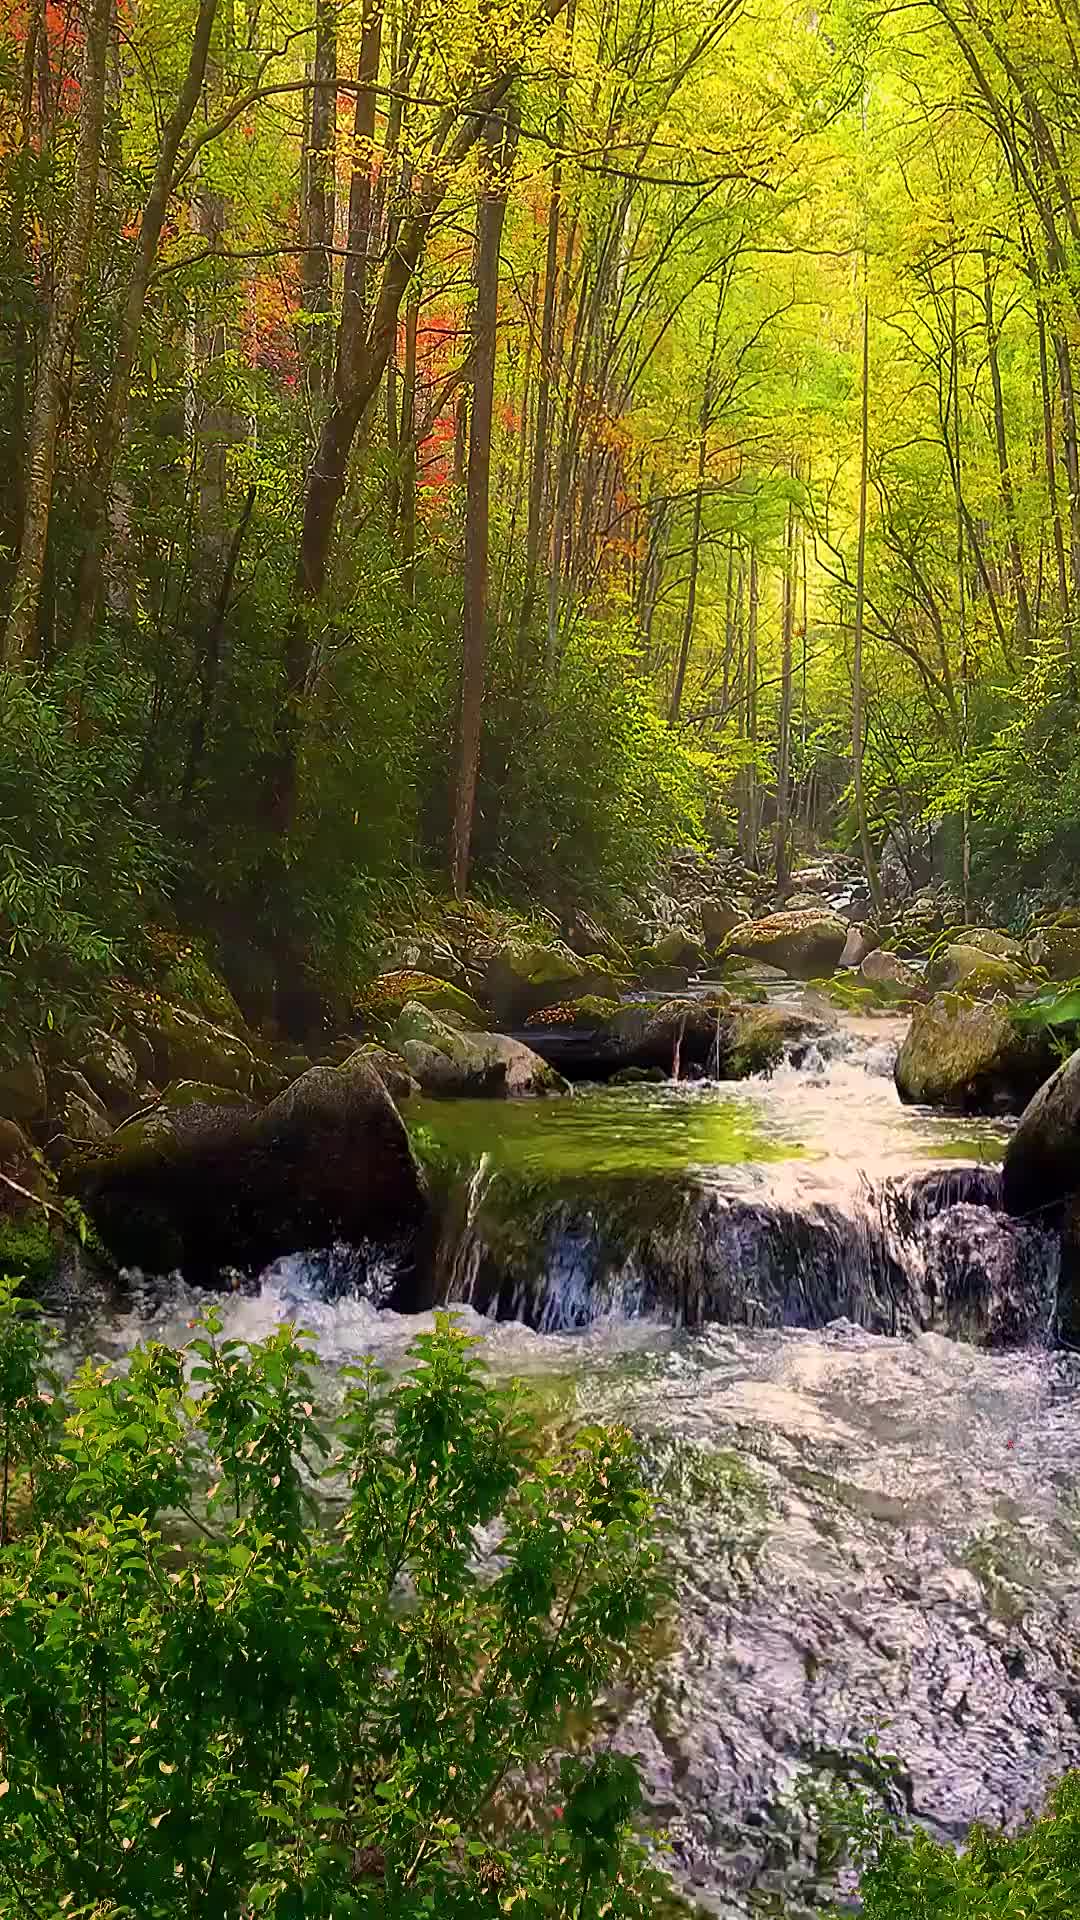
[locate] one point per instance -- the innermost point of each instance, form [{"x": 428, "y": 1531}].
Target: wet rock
[
  {"x": 676, "y": 948},
  {"x": 523, "y": 979},
  {"x": 806, "y": 945},
  {"x": 719, "y": 917},
  {"x": 1056, "y": 948},
  {"x": 890, "y": 975},
  {"x": 392, "y": 1070},
  {"x": 111, "y": 1069},
  {"x": 860, "y": 941},
  {"x": 665, "y": 979},
  {"x": 970, "y": 970},
  {"x": 968, "y": 1056},
  {"x": 23, "y": 1094},
  {"x": 668, "y": 1035},
  {"x": 448, "y": 1062},
  {"x": 764, "y": 1036},
  {"x": 383, "y": 999},
  {"x": 1042, "y": 1161},
  {"x": 205, "y": 1188}
]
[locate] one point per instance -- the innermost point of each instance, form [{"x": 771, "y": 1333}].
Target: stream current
[{"x": 838, "y": 1354}]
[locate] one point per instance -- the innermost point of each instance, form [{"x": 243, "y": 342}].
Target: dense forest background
[{"x": 487, "y": 446}]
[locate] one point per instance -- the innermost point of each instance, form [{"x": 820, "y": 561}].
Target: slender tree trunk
[
  {"x": 686, "y": 638},
  {"x": 1050, "y": 460},
  {"x": 20, "y": 634},
  {"x": 857, "y": 721},
  {"x": 491, "y": 212},
  {"x": 320, "y": 208},
  {"x": 408, "y": 446},
  {"x": 538, "y": 474},
  {"x": 753, "y": 799},
  {"x": 1008, "y": 498},
  {"x": 360, "y": 239},
  {"x": 96, "y": 513},
  {"x": 783, "y": 745}
]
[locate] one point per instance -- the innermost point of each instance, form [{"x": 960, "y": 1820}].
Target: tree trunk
[
  {"x": 408, "y": 446},
  {"x": 1016, "y": 560},
  {"x": 783, "y": 744},
  {"x": 20, "y": 634},
  {"x": 753, "y": 813},
  {"x": 96, "y": 513},
  {"x": 495, "y": 177},
  {"x": 357, "y": 278},
  {"x": 869, "y": 861},
  {"x": 320, "y": 199},
  {"x": 1050, "y": 460}
]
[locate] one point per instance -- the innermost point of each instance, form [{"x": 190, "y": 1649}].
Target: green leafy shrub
[
  {"x": 265, "y": 1660},
  {"x": 905, "y": 1874}
]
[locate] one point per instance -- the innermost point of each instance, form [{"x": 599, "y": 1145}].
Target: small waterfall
[{"x": 915, "y": 1251}]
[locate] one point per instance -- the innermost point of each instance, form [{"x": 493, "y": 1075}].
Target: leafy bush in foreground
[
  {"x": 324, "y": 1685},
  {"x": 1033, "y": 1874}
]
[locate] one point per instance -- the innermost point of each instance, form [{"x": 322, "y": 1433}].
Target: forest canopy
[{"x": 497, "y": 446}]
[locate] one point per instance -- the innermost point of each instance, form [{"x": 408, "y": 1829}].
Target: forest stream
[{"x": 839, "y": 1356}]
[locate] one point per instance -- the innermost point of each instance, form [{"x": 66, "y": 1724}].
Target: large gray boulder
[
  {"x": 806, "y": 945},
  {"x": 968, "y": 1056},
  {"x": 206, "y": 1187}
]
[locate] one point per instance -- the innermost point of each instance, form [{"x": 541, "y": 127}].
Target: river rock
[
  {"x": 109, "y": 1064},
  {"x": 383, "y": 999},
  {"x": 764, "y": 1036},
  {"x": 649, "y": 1034},
  {"x": 1056, "y": 948},
  {"x": 806, "y": 945},
  {"x": 449, "y": 1062},
  {"x": 800, "y": 902},
  {"x": 23, "y": 1094},
  {"x": 523, "y": 979},
  {"x": 991, "y": 940},
  {"x": 888, "y": 973},
  {"x": 969, "y": 970},
  {"x": 719, "y": 917},
  {"x": 860, "y": 941},
  {"x": 1042, "y": 1161},
  {"x": 968, "y": 1056},
  {"x": 205, "y": 1188},
  {"x": 392, "y": 1070},
  {"x": 187, "y": 1047},
  {"x": 675, "y": 948}
]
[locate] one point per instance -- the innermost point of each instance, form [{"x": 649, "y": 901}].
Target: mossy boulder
[
  {"x": 676, "y": 948},
  {"x": 763, "y": 1037},
  {"x": 991, "y": 940},
  {"x": 960, "y": 968},
  {"x": 522, "y": 980},
  {"x": 805, "y": 945},
  {"x": 23, "y": 1093},
  {"x": 187, "y": 1047},
  {"x": 719, "y": 917},
  {"x": 967, "y": 1055},
  {"x": 581, "y": 1015},
  {"x": 207, "y": 1187},
  {"x": 1055, "y": 948},
  {"x": 449, "y": 1062},
  {"x": 890, "y": 976},
  {"x": 392, "y": 1070},
  {"x": 110, "y": 1066},
  {"x": 1042, "y": 1161},
  {"x": 381, "y": 1001},
  {"x": 672, "y": 1033}
]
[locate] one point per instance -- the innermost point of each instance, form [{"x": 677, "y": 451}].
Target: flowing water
[{"x": 875, "y": 1523}]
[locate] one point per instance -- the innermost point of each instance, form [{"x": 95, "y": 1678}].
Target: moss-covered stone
[
  {"x": 991, "y": 940},
  {"x": 109, "y": 1065},
  {"x": 23, "y": 1094},
  {"x": 762, "y": 1036},
  {"x": 391, "y": 1068},
  {"x": 889, "y": 975},
  {"x": 677, "y": 948},
  {"x": 967, "y": 1055},
  {"x": 960, "y": 968},
  {"x": 450, "y": 1062},
  {"x": 522, "y": 980},
  {"x": 590, "y": 1011},
  {"x": 1055, "y": 948},
  {"x": 381, "y": 1001},
  {"x": 186, "y": 1047},
  {"x": 719, "y": 917},
  {"x": 805, "y": 945}
]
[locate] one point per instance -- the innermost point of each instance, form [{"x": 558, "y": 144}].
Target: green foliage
[
  {"x": 265, "y": 1656},
  {"x": 1032, "y": 1874}
]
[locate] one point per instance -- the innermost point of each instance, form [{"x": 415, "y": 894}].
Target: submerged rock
[
  {"x": 968, "y": 1056},
  {"x": 806, "y": 945},
  {"x": 205, "y": 1188}
]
